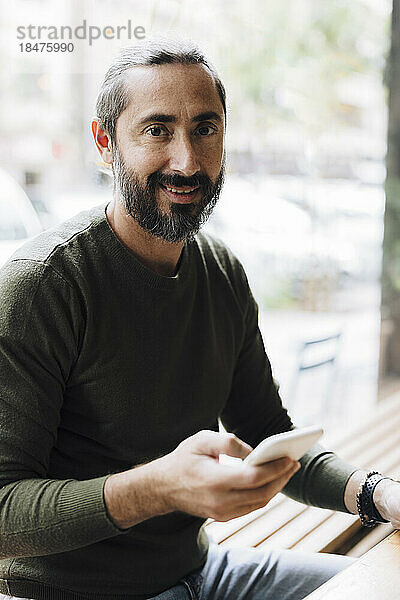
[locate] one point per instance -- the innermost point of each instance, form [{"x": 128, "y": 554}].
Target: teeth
[{"x": 175, "y": 191}]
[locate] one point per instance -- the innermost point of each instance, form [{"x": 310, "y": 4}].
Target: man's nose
[{"x": 183, "y": 157}]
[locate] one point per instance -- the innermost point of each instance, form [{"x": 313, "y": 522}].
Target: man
[{"x": 124, "y": 337}]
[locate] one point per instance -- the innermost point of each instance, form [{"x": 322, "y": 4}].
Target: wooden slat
[
  {"x": 375, "y": 536},
  {"x": 289, "y": 535},
  {"x": 367, "y": 441},
  {"x": 220, "y": 531},
  {"x": 330, "y": 534},
  {"x": 383, "y": 413},
  {"x": 268, "y": 524},
  {"x": 375, "y": 452}
]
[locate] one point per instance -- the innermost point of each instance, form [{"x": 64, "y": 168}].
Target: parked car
[{"x": 18, "y": 219}]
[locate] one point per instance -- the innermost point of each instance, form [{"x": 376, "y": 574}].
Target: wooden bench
[
  {"x": 375, "y": 577},
  {"x": 285, "y": 523}
]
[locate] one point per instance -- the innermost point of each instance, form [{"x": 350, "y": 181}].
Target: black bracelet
[{"x": 368, "y": 513}]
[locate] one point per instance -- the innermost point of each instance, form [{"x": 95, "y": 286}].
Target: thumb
[{"x": 214, "y": 443}]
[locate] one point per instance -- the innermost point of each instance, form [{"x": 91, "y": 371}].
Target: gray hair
[{"x": 113, "y": 96}]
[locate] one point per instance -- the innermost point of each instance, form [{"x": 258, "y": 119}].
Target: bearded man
[{"x": 125, "y": 336}]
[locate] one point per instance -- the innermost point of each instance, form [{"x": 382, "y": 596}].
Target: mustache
[{"x": 174, "y": 179}]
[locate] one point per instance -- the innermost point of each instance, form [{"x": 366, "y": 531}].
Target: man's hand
[
  {"x": 195, "y": 482},
  {"x": 191, "y": 479},
  {"x": 386, "y": 498}
]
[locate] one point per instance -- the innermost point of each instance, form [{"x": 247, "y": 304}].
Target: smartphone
[{"x": 294, "y": 444}]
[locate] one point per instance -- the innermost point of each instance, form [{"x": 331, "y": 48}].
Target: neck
[{"x": 158, "y": 255}]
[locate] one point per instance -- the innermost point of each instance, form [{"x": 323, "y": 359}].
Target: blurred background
[{"x": 308, "y": 86}]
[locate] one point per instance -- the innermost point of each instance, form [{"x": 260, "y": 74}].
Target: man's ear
[{"x": 102, "y": 141}]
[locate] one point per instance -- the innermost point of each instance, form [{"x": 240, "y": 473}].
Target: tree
[{"x": 390, "y": 347}]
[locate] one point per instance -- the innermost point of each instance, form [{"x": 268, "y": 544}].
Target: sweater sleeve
[
  {"x": 254, "y": 411},
  {"x": 40, "y": 327}
]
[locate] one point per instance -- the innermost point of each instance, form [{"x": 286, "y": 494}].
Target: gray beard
[{"x": 184, "y": 220}]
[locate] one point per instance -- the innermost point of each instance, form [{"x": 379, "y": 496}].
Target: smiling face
[{"x": 168, "y": 159}]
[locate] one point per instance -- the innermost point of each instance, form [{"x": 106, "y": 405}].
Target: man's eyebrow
[
  {"x": 207, "y": 116},
  {"x": 159, "y": 117},
  {"x": 163, "y": 118}
]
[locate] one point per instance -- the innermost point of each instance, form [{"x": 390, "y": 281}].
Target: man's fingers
[
  {"x": 233, "y": 446},
  {"x": 263, "y": 494},
  {"x": 241, "y": 502},
  {"x": 250, "y": 476},
  {"x": 278, "y": 484},
  {"x": 214, "y": 443}
]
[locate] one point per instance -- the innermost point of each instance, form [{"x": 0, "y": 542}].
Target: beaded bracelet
[{"x": 367, "y": 511}]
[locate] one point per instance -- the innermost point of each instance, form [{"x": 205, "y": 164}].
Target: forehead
[{"x": 171, "y": 89}]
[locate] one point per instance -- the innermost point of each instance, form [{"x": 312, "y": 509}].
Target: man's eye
[
  {"x": 157, "y": 131},
  {"x": 206, "y": 130}
]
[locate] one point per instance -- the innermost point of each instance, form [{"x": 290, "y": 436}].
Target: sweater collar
[{"x": 134, "y": 267}]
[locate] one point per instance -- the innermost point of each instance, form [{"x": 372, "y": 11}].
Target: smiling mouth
[{"x": 182, "y": 195}]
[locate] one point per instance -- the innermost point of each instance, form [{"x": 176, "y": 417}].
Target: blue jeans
[{"x": 251, "y": 574}]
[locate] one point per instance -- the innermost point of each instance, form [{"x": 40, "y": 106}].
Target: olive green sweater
[{"x": 104, "y": 365}]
